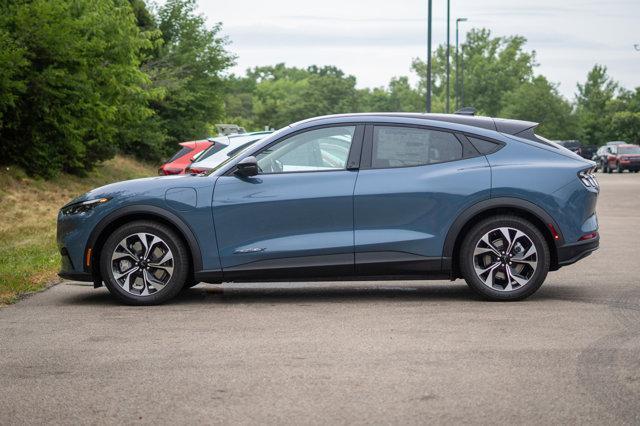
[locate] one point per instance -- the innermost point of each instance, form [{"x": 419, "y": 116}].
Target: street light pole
[
  {"x": 448, "y": 54},
  {"x": 458, "y": 69},
  {"x": 429, "y": 58}
]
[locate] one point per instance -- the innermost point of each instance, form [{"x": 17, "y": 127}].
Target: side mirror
[{"x": 247, "y": 167}]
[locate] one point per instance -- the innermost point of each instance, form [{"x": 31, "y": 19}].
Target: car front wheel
[
  {"x": 144, "y": 263},
  {"x": 504, "y": 258}
]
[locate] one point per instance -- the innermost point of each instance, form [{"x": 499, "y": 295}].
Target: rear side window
[
  {"x": 395, "y": 146},
  {"x": 180, "y": 153},
  {"x": 483, "y": 146}
]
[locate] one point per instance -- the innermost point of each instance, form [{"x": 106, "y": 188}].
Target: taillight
[
  {"x": 172, "y": 171},
  {"x": 588, "y": 178},
  {"x": 589, "y": 236}
]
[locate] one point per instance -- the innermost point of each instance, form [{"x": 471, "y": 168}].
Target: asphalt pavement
[{"x": 356, "y": 352}]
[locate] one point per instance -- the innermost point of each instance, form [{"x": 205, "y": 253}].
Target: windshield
[
  {"x": 233, "y": 152},
  {"x": 629, "y": 150}
]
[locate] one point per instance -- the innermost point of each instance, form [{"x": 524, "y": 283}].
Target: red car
[
  {"x": 622, "y": 157},
  {"x": 182, "y": 159}
]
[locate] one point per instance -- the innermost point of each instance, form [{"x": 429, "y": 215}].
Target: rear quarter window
[{"x": 483, "y": 146}]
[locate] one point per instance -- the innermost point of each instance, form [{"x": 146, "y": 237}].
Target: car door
[
  {"x": 413, "y": 182},
  {"x": 296, "y": 215}
]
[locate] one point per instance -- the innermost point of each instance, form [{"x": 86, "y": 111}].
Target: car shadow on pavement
[{"x": 351, "y": 292}]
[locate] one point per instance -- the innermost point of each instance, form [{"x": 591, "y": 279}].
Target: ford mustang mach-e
[{"x": 356, "y": 196}]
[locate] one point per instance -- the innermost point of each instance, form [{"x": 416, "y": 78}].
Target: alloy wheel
[
  {"x": 505, "y": 259},
  {"x": 142, "y": 264}
]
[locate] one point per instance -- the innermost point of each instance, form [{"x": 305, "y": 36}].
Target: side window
[
  {"x": 315, "y": 150},
  {"x": 395, "y": 146},
  {"x": 483, "y": 146}
]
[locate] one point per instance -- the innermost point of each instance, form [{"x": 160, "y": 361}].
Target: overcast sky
[{"x": 377, "y": 39}]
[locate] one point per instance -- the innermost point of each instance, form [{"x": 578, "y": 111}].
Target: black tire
[
  {"x": 467, "y": 259},
  {"x": 619, "y": 169},
  {"x": 180, "y": 262}
]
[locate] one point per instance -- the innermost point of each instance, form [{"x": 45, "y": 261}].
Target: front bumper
[
  {"x": 571, "y": 253},
  {"x": 72, "y": 236}
]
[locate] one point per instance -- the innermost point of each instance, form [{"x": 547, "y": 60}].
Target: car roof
[{"x": 508, "y": 126}]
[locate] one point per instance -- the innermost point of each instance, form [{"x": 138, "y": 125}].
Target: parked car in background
[
  {"x": 585, "y": 151},
  {"x": 226, "y": 148},
  {"x": 600, "y": 157},
  {"x": 181, "y": 159},
  {"x": 354, "y": 196},
  {"x": 571, "y": 145},
  {"x": 621, "y": 157}
]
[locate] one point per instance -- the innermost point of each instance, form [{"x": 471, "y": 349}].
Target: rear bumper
[{"x": 571, "y": 253}]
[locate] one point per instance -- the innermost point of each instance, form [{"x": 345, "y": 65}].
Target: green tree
[
  {"x": 12, "y": 65},
  {"x": 188, "y": 71},
  {"x": 493, "y": 67},
  {"x": 399, "y": 96},
  {"x": 286, "y": 94},
  {"x": 78, "y": 81},
  {"x": 593, "y": 100},
  {"x": 540, "y": 101},
  {"x": 625, "y": 125}
]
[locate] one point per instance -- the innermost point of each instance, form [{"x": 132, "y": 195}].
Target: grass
[{"x": 29, "y": 258}]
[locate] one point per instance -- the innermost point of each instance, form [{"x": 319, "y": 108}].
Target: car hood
[{"x": 136, "y": 188}]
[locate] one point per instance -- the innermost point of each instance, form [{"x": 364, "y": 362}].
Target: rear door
[
  {"x": 413, "y": 183},
  {"x": 296, "y": 215}
]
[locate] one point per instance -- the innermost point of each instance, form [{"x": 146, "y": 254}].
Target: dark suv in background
[{"x": 585, "y": 151}]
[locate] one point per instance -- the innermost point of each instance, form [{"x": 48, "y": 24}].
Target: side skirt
[{"x": 369, "y": 266}]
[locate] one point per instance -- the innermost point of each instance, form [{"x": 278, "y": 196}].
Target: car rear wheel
[
  {"x": 504, "y": 258},
  {"x": 144, "y": 263}
]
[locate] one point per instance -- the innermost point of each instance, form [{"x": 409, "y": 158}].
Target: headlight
[{"x": 83, "y": 207}]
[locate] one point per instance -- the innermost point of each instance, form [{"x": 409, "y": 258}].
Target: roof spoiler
[{"x": 466, "y": 111}]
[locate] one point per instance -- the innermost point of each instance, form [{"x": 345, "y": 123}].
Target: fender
[
  {"x": 492, "y": 203},
  {"x": 150, "y": 210}
]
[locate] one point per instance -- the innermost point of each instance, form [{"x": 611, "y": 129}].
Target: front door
[{"x": 296, "y": 215}]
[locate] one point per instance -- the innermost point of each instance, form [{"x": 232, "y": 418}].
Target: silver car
[{"x": 224, "y": 148}]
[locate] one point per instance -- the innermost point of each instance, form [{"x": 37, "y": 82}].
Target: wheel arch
[
  {"x": 139, "y": 212},
  {"x": 499, "y": 206}
]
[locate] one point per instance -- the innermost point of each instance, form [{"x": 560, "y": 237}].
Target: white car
[{"x": 224, "y": 148}]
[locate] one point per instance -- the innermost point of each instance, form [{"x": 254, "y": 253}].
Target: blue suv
[{"x": 367, "y": 196}]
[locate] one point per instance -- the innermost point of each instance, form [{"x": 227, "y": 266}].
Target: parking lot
[{"x": 383, "y": 352}]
